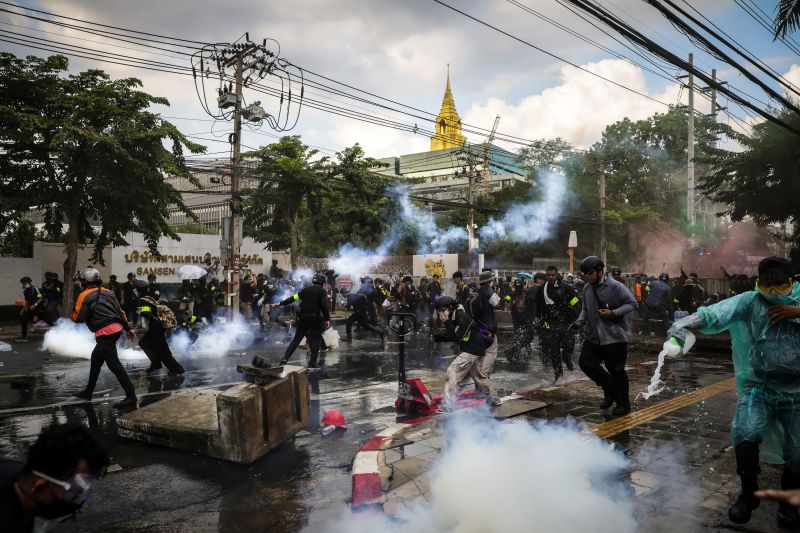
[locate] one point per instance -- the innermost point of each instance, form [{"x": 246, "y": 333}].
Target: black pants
[
  {"x": 662, "y": 313},
  {"x": 155, "y": 347},
  {"x": 558, "y": 345},
  {"x": 613, "y": 378},
  {"x": 28, "y": 315},
  {"x": 276, "y": 316},
  {"x": 52, "y": 310},
  {"x": 362, "y": 319},
  {"x": 106, "y": 352},
  {"x": 131, "y": 312},
  {"x": 312, "y": 331},
  {"x": 521, "y": 352},
  {"x": 748, "y": 468}
]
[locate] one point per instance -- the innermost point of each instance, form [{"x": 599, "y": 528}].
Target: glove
[{"x": 576, "y": 326}]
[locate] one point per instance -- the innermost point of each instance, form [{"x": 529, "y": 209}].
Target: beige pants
[
  {"x": 462, "y": 366},
  {"x": 487, "y": 366}
]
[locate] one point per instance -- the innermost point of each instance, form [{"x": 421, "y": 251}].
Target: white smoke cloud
[
  {"x": 515, "y": 477},
  {"x": 532, "y": 221},
  {"x": 69, "y": 339},
  {"x": 354, "y": 260}
]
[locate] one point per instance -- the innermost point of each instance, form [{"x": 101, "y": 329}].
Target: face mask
[
  {"x": 776, "y": 299},
  {"x": 444, "y": 314},
  {"x": 26, "y": 285},
  {"x": 75, "y": 489}
]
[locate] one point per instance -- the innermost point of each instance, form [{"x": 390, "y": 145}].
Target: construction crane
[{"x": 486, "y": 145}]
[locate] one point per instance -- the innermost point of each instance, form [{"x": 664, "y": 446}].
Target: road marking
[{"x": 648, "y": 414}]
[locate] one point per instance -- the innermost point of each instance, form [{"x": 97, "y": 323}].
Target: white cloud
[{"x": 579, "y": 108}]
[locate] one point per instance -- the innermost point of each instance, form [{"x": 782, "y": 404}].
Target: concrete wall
[
  {"x": 11, "y": 270},
  {"x": 190, "y": 250}
]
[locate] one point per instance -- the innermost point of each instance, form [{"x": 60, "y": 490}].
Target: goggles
[
  {"x": 76, "y": 489},
  {"x": 781, "y": 289}
]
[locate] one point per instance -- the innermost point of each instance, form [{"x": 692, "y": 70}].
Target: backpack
[{"x": 166, "y": 316}]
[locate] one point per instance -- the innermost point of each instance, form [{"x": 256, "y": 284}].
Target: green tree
[
  {"x": 543, "y": 155},
  {"x": 760, "y": 182},
  {"x": 88, "y": 152},
  {"x": 353, "y": 210},
  {"x": 291, "y": 176},
  {"x": 17, "y": 239},
  {"x": 788, "y": 18}
]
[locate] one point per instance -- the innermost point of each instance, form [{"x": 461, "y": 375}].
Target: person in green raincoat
[{"x": 764, "y": 325}]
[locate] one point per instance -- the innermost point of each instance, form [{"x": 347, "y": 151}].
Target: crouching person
[
  {"x": 472, "y": 342},
  {"x": 154, "y": 342}
]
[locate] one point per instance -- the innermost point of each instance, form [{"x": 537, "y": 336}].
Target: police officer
[{"x": 313, "y": 318}]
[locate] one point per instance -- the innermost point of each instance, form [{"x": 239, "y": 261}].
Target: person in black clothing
[
  {"x": 374, "y": 294},
  {"x": 53, "y": 292},
  {"x": 130, "y": 299},
  {"x": 115, "y": 287},
  {"x": 556, "y": 310},
  {"x": 522, "y": 319},
  {"x": 312, "y": 319},
  {"x": 154, "y": 342},
  {"x": 153, "y": 288},
  {"x": 34, "y": 306},
  {"x": 482, "y": 310},
  {"x": 258, "y": 299},
  {"x": 359, "y": 303},
  {"x": 434, "y": 291},
  {"x": 462, "y": 290},
  {"x": 54, "y": 483},
  {"x": 204, "y": 301}
]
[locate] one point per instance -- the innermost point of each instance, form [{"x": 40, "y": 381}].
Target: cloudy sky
[{"x": 399, "y": 50}]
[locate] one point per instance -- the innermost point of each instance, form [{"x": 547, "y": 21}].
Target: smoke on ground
[
  {"x": 69, "y": 339},
  {"x": 514, "y": 476}
]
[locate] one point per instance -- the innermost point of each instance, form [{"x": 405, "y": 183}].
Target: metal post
[
  {"x": 603, "y": 242},
  {"x": 690, "y": 209}
]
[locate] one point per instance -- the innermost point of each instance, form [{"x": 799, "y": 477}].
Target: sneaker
[
  {"x": 151, "y": 369},
  {"x": 127, "y": 402},
  {"x": 283, "y": 362},
  {"x": 788, "y": 517},
  {"x": 83, "y": 395},
  {"x": 743, "y": 508},
  {"x": 21, "y": 339},
  {"x": 176, "y": 372},
  {"x": 607, "y": 402}
]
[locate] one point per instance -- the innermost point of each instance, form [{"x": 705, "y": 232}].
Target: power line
[{"x": 542, "y": 50}]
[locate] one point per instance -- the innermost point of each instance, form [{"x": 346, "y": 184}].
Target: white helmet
[{"x": 89, "y": 275}]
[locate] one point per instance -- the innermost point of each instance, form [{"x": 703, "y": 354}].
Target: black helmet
[
  {"x": 664, "y": 276},
  {"x": 25, "y": 279},
  {"x": 591, "y": 263},
  {"x": 378, "y": 281},
  {"x": 319, "y": 279},
  {"x": 408, "y": 279},
  {"x": 616, "y": 271},
  {"x": 151, "y": 277},
  {"x": 445, "y": 301}
]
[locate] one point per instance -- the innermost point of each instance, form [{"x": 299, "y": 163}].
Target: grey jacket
[{"x": 612, "y": 295}]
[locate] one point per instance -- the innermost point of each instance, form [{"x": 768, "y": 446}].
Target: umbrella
[
  {"x": 524, "y": 275},
  {"x": 191, "y": 272}
]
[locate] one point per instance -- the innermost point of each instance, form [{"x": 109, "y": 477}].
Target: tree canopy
[{"x": 89, "y": 153}]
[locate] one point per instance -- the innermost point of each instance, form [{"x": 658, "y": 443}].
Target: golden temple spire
[{"x": 448, "y": 123}]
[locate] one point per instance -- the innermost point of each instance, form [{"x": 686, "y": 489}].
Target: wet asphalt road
[{"x": 160, "y": 489}]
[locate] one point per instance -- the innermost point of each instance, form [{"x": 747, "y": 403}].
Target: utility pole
[
  {"x": 690, "y": 211},
  {"x": 234, "y": 264},
  {"x": 603, "y": 241}
]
